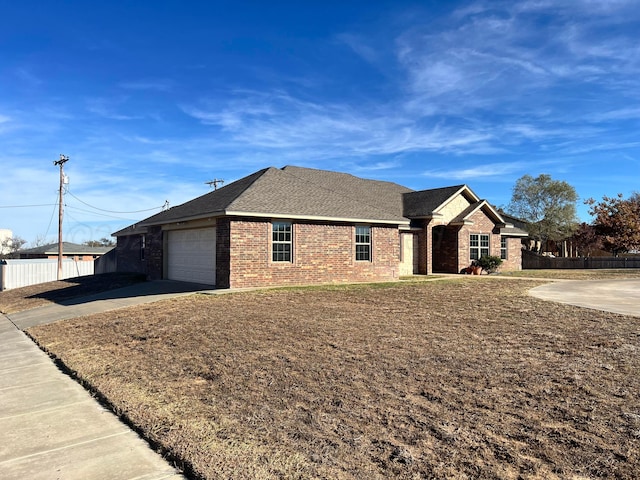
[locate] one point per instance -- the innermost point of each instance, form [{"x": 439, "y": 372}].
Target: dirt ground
[{"x": 461, "y": 378}]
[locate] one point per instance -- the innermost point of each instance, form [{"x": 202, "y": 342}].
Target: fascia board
[
  {"x": 232, "y": 213},
  {"x": 320, "y": 218}
]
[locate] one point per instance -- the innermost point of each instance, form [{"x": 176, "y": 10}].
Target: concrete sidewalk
[{"x": 51, "y": 427}]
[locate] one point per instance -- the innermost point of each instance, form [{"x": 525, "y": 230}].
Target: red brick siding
[
  {"x": 128, "y": 255},
  {"x": 223, "y": 251},
  {"x": 514, "y": 255},
  {"x": 154, "y": 253},
  {"x": 483, "y": 225},
  {"x": 322, "y": 253}
]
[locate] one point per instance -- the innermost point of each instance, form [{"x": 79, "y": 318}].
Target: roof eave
[{"x": 320, "y": 218}]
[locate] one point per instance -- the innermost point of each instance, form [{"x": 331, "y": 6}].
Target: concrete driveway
[{"x": 617, "y": 296}]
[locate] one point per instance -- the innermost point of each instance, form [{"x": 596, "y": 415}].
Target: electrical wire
[
  {"x": 112, "y": 211},
  {"x": 55, "y": 207},
  {"x": 72, "y": 207},
  {"x": 30, "y": 206}
]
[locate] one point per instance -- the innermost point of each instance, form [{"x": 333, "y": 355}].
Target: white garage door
[{"x": 192, "y": 256}]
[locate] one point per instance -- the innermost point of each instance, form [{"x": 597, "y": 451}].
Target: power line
[
  {"x": 73, "y": 207},
  {"x": 112, "y": 211},
  {"x": 28, "y": 206}
]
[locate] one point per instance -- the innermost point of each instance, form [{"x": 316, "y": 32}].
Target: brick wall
[
  {"x": 223, "y": 252},
  {"x": 322, "y": 253},
  {"x": 128, "y": 254},
  {"x": 483, "y": 225},
  {"x": 154, "y": 253},
  {"x": 514, "y": 255},
  {"x": 131, "y": 258}
]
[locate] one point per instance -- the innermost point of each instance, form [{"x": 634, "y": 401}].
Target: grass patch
[{"x": 455, "y": 379}]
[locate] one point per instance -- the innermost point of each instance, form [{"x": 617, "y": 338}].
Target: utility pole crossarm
[{"x": 215, "y": 182}]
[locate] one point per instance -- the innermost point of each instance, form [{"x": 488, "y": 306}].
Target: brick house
[{"x": 295, "y": 226}]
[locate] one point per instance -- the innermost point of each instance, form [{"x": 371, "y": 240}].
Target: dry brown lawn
[{"x": 462, "y": 378}]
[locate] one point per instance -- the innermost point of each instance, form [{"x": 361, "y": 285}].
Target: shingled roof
[
  {"x": 424, "y": 203},
  {"x": 67, "y": 249},
  {"x": 295, "y": 192},
  {"x": 306, "y": 193}
]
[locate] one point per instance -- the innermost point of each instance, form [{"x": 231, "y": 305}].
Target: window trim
[
  {"x": 274, "y": 241},
  {"x": 504, "y": 250},
  {"x": 479, "y": 248},
  {"x": 368, "y": 244}
]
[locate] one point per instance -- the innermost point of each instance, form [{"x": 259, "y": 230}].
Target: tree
[
  {"x": 103, "y": 242},
  {"x": 617, "y": 221},
  {"x": 547, "y": 206},
  {"x": 9, "y": 247},
  {"x": 587, "y": 240}
]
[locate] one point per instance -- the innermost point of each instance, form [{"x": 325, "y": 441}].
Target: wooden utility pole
[
  {"x": 214, "y": 183},
  {"x": 60, "y": 163}
]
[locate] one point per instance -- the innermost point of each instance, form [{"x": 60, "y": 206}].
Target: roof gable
[
  {"x": 490, "y": 212},
  {"x": 430, "y": 203}
]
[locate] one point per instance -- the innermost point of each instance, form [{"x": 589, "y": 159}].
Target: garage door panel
[{"x": 192, "y": 256}]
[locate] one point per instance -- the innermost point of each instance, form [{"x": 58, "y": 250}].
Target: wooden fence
[{"x": 533, "y": 261}]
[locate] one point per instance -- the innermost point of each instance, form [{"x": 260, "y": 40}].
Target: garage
[{"x": 191, "y": 255}]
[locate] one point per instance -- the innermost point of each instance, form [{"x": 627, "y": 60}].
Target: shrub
[{"x": 489, "y": 263}]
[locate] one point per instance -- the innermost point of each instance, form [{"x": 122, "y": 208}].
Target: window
[
  {"x": 281, "y": 242},
  {"x": 503, "y": 248},
  {"x": 478, "y": 245},
  {"x": 143, "y": 246},
  {"x": 363, "y": 243}
]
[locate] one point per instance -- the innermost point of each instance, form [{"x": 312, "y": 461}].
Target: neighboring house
[
  {"x": 294, "y": 226},
  {"x": 69, "y": 250}
]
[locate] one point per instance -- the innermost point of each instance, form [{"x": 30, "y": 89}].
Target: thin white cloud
[
  {"x": 158, "y": 85},
  {"x": 104, "y": 107},
  {"x": 475, "y": 172}
]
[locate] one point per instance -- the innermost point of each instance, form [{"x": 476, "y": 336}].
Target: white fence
[{"x": 21, "y": 273}]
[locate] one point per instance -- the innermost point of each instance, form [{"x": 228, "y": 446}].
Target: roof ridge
[{"x": 341, "y": 192}]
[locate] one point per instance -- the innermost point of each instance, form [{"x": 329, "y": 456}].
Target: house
[
  {"x": 295, "y": 225},
  {"x": 71, "y": 251}
]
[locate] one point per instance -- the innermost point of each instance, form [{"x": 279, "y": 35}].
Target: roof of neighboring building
[{"x": 67, "y": 249}]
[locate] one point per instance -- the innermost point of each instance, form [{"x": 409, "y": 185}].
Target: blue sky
[{"x": 151, "y": 99}]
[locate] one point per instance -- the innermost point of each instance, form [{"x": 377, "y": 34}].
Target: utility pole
[
  {"x": 214, "y": 183},
  {"x": 60, "y": 163}
]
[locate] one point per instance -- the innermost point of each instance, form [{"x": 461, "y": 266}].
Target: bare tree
[{"x": 10, "y": 246}]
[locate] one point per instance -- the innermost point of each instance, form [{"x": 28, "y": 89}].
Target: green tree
[
  {"x": 617, "y": 221},
  {"x": 548, "y": 207}
]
